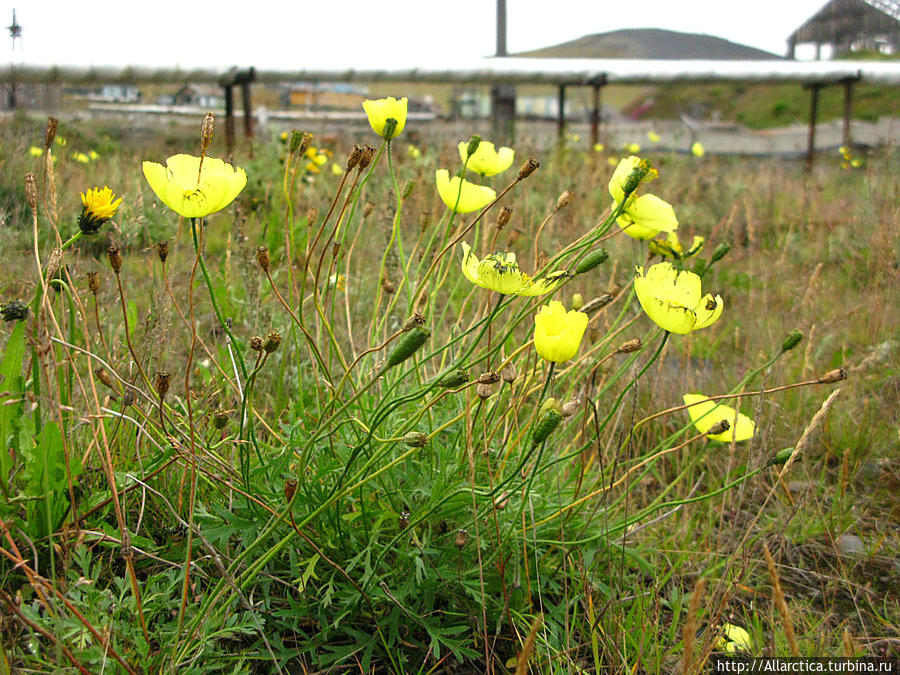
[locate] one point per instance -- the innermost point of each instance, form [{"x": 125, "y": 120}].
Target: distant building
[
  {"x": 204, "y": 96},
  {"x": 847, "y": 26},
  {"x": 323, "y": 96}
]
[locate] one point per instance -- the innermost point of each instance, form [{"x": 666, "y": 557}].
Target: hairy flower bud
[
  {"x": 720, "y": 252},
  {"x": 162, "y": 251},
  {"x": 792, "y": 340},
  {"x": 782, "y": 456},
  {"x": 462, "y": 538},
  {"x": 472, "y": 147},
  {"x": 548, "y": 419},
  {"x": 290, "y": 487},
  {"x": 408, "y": 345},
  {"x": 415, "y": 439},
  {"x": 719, "y": 427},
  {"x": 591, "y": 260},
  {"x": 577, "y": 301},
  {"x": 455, "y": 378}
]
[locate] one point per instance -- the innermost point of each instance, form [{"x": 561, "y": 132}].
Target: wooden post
[
  {"x": 248, "y": 114},
  {"x": 503, "y": 96},
  {"x": 595, "y": 113},
  {"x": 561, "y": 116},
  {"x": 229, "y": 120},
  {"x": 848, "y": 105},
  {"x": 813, "y": 114}
]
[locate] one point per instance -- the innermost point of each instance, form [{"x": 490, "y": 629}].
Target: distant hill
[{"x": 649, "y": 43}]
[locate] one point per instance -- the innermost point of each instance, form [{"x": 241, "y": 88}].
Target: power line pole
[{"x": 15, "y": 33}]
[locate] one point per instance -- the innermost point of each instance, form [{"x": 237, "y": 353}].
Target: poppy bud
[
  {"x": 629, "y": 346},
  {"x": 792, "y": 340},
  {"x": 503, "y": 218},
  {"x": 14, "y": 310},
  {"x": 782, "y": 456},
  {"x": 564, "y": 199},
  {"x": 206, "y": 131},
  {"x": 415, "y": 439},
  {"x": 720, "y": 252},
  {"x": 262, "y": 257},
  {"x": 408, "y": 345},
  {"x": 548, "y": 419},
  {"x": 591, "y": 260},
  {"x": 161, "y": 383},
  {"x": 597, "y": 303},
  {"x": 50, "y": 134},
  {"x": 93, "y": 282},
  {"x": 488, "y": 377},
  {"x": 462, "y": 538},
  {"x": 31, "y": 191},
  {"x": 484, "y": 390},
  {"x": 415, "y": 320},
  {"x": 290, "y": 487},
  {"x": 719, "y": 427},
  {"x": 162, "y": 251},
  {"x": 271, "y": 341},
  {"x": 472, "y": 147},
  {"x": 455, "y": 378},
  {"x": 509, "y": 373}
]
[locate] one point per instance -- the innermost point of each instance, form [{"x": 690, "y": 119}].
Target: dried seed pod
[
  {"x": 503, "y": 218},
  {"x": 367, "y": 156},
  {"x": 271, "y": 341},
  {"x": 262, "y": 257},
  {"x": 206, "y": 131},
  {"x": 462, "y": 538},
  {"x": 161, "y": 383},
  {"x": 114, "y": 255},
  {"x": 290, "y": 487},
  {"x": 488, "y": 377},
  {"x": 31, "y": 191},
  {"x": 388, "y": 286},
  {"x": 93, "y": 282},
  {"x": 528, "y": 168},
  {"x": 367, "y": 209},
  {"x": 256, "y": 343},
  {"x": 833, "y": 376},
  {"x": 629, "y": 346},
  {"x": 355, "y": 154},
  {"x": 162, "y": 251},
  {"x": 564, "y": 199},
  {"x": 597, "y": 304},
  {"x": 484, "y": 390},
  {"x": 104, "y": 377},
  {"x": 50, "y": 133},
  {"x": 570, "y": 407},
  {"x": 415, "y": 320},
  {"x": 719, "y": 427},
  {"x": 509, "y": 373}
]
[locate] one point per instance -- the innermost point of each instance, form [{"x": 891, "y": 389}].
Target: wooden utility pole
[{"x": 503, "y": 96}]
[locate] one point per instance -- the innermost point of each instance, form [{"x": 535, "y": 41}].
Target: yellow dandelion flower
[
  {"x": 97, "y": 206},
  {"x": 697, "y": 149}
]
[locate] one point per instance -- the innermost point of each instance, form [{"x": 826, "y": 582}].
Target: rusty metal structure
[{"x": 847, "y": 25}]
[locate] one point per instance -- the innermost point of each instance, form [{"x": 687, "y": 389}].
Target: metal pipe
[{"x": 848, "y": 105}]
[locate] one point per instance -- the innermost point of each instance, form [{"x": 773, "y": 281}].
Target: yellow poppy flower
[
  {"x": 486, "y": 160},
  {"x": 35, "y": 151},
  {"x": 336, "y": 169},
  {"x": 469, "y": 198},
  {"x": 644, "y": 216},
  {"x": 697, "y": 149},
  {"x": 705, "y": 414},
  {"x": 733, "y": 639},
  {"x": 97, "y": 206},
  {"x": 672, "y": 298},
  {"x": 500, "y": 272},
  {"x": 93, "y": 154},
  {"x": 380, "y": 110},
  {"x": 80, "y": 157},
  {"x": 653, "y": 136},
  {"x": 598, "y": 147},
  {"x": 557, "y": 333},
  {"x": 633, "y": 147},
  {"x": 413, "y": 152},
  {"x": 194, "y": 191}
]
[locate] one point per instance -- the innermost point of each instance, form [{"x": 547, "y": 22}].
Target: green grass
[{"x": 323, "y": 538}]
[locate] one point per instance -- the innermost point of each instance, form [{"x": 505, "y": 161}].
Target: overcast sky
[{"x": 321, "y": 33}]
